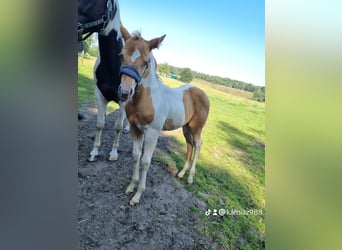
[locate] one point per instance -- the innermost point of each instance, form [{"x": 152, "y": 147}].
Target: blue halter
[{"x": 131, "y": 71}]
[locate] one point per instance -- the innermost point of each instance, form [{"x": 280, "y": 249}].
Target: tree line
[
  {"x": 186, "y": 75},
  {"x": 89, "y": 46}
]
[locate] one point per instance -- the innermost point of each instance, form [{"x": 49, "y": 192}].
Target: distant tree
[
  {"x": 83, "y": 48},
  {"x": 93, "y": 51},
  {"x": 174, "y": 70},
  {"x": 186, "y": 75},
  {"x": 86, "y": 45},
  {"x": 259, "y": 94},
  {"x": 80, "y": 47},
  {"x": 163, "y": 68},
  {"x": 249, "y": 87},
  {"x": 236, "y": 85},
  {"x": 216, "y": 80}
]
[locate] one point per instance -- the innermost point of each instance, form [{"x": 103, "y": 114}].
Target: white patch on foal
[{"x": 135, "y": 55}]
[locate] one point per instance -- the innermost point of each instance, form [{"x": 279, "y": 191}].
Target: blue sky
[{"x": 217, "y": 37}]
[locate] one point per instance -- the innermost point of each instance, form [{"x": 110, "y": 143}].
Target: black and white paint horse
[{"x": 103, "y": 17}]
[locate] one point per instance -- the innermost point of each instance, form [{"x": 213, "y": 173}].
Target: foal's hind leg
[
  {"x": 189, "y": 144},
  {"x": 102, "y": 105},
  {"x": 118, "y": 125},
  {"x": 194, "y": 142},
  {"x": 197, "y": 146}
]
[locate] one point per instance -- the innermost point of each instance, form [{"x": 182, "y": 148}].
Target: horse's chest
[
  {"x": 139, "y": 114},
  {"x": 107, "y": 79},
  {"x": 140, "y": 110}
]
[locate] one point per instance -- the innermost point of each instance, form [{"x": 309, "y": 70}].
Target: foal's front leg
[
  {"x": 150, "y": 141},
  {"x": 138, "y": 139}
]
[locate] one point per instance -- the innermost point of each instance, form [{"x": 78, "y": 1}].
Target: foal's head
[
  {"x": 95, "y": 15},
  {"x": 136, "y": 61}
]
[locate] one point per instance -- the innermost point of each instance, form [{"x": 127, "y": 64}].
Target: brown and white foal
[{"x": 152, "y": 107}]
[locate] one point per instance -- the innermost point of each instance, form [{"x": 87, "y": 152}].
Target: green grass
[{"x": 230, "y": 169}]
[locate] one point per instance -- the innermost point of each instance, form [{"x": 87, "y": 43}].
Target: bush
[
  {"x": 259, "y": 95},
  {"x": 186, "y": 75}
]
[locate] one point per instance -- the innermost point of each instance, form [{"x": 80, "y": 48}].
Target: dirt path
[{"x": 162, "y": 219}]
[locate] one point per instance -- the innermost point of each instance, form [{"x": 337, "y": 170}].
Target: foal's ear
[
  {"x": 125, "y": 33},
  {"x": 154, "y": 43}
]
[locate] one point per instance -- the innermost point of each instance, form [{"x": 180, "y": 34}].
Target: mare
[
  {"x": 103, "y": 17},
  {"x": 153, "y": 107}
]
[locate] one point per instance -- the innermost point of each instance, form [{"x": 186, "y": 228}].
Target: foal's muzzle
[
  {"x": 130, "y": 78},
  {"x": 124, "y": 94}
]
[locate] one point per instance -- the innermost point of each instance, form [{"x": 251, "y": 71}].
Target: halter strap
[
  {"x": 109, "y": 14},
  {"x": 131, "y": 71}
]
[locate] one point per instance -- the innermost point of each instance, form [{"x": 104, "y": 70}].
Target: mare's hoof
[
  {"x": 111, "y": 158},
  {"x": 92, "y": 158}
]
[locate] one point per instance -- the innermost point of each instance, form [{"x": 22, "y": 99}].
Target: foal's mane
[{"x": 136, "y": 35}]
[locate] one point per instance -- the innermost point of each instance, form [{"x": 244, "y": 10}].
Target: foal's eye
[{"x": 144, "y": 64}]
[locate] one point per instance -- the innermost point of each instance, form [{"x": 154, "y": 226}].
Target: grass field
[{"x": 230, "y": 170}]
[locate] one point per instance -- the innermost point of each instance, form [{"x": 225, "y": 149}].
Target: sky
[{"x": 218, "y": 37}]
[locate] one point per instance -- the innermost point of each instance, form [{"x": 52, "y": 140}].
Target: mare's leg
[
  {"x": 118, "y": 125},
  {"x": 101, "y": 107},
  {"x": 138, "y": 139},
  {"x": 189, "y": 144},
  {"x": 150, "y": 141}
]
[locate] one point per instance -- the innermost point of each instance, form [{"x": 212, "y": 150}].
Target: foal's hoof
[
  {"x": 111, "y": 158},
  {"x": 133, "y": 202},
  {"x": 92, "y": 158},
  {"x": 129, "y": 190},
  {"x": 179, "y": 175}
]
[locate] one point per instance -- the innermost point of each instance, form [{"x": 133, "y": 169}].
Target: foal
[
  {"x": 103, "y": 16},
  {"x": 152, "y": 107}
]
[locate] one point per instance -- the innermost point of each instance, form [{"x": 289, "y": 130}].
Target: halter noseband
[
  {"x": 131, "y": 71},
  {"x": 108, "y": 15}
]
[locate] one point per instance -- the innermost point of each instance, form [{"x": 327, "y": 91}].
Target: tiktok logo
[{"x": 208, "y": 212}]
